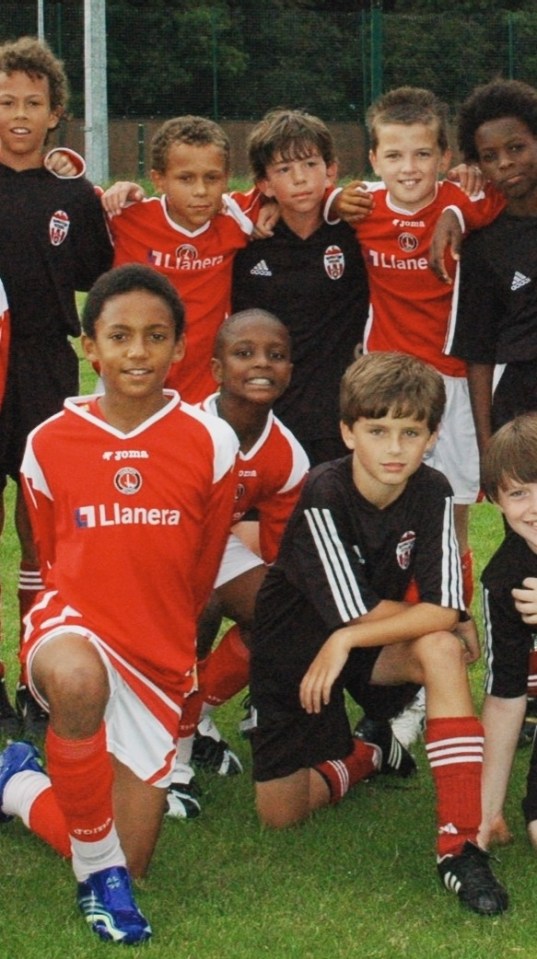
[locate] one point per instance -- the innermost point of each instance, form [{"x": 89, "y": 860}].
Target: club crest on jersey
[
  {"x": 408, "y": 242},
  {"x": 58, "y": 227},
  {"x": 334, "y": 262},
  {"x": 405, "y": 548},
  {"x": 128, "y": 480}
]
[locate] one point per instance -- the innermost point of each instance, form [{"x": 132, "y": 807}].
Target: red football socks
[
  {"x": 81, "y": 775},
  {"x": 341, "y": 774},
  {"x": 455, "y": 753},
  {"x": 227, "y": 669}
]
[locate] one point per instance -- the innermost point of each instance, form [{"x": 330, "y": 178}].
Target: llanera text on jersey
[
  {"x": 388, "y": 261},
  {"x": 112, "y": 514}
]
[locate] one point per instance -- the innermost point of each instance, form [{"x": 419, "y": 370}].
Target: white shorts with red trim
[
  {"x": 142, "y": 722},
  {"x": 456, "y": 454},
  {"x": 237, "y": 559}
]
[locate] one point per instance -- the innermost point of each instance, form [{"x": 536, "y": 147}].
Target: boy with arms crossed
[
  {"x": 54, "y": 241},
  {"x": 252, "y": 364},
  {"x": 331, "y": 615},
  {"x": 510, "y": 481},
  {"x": 130, "y": 495}
]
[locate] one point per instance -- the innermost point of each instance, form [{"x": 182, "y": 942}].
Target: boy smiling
[{"x": 331, "y": 616}]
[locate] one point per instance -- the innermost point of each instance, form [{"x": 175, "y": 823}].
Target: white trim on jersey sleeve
[
  {"x": 458, "y": 213},
  {"x": 328, "y": 206},
  {"x": 3, "y": 298},
  {"x": 300, "y": 462},
  {"x": 78, "y": 162},
  {"x": 32, "y": 472},
  {"x": 225, "y": 440},
  {"x": 487, "y": 641},
  {"x": 232, "y": 209},
  {"x": 451, "y": 566},
  {"x": 339, "y": 574},
  {"x": 452, "y": 318}
]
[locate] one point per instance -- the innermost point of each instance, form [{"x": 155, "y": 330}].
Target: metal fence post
[{"x": 376, "y": 49}]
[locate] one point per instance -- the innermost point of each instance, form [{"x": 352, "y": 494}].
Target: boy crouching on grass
[
  {"x": 330, "y": 616},
  {"x": 130, "y": 495}
]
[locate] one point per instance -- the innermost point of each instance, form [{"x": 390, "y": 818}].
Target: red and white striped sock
[
  {"x": 341, "y": 774},
  {"x": 455, "y": 753}
]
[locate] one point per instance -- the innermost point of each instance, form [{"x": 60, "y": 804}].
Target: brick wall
[{"x": 129, "y": 144}]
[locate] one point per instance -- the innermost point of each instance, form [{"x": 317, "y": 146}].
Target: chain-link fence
[
  {"x": 236, "y": 60},
  {"x": 232, "y": 61}
]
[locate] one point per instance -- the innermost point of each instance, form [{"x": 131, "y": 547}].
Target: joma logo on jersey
[
  {"x": 89, "y": 517},
  {"x": 125, "y": 455},
  {"x": 409, "y": 223}
]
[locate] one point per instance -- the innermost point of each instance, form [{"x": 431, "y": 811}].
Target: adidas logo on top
[
  {"x": 519, "y": 280},
  {"x": 261, "y": 269}
]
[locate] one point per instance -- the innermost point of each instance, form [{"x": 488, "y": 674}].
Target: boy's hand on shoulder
[
  {"x": 316, "y": 686},
  {"x": 467, "y": 633},
  {"x": 469, "y": 178},
  {"x": 447, "y": 235},
  {"x": 525, "y": 598},
  {"x": 119, "y": 195},
  {"x": 353, "y": 203},
  {"x": 269, "y": 215}
]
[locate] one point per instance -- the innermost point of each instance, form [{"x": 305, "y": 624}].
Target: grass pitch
[{"x": 356, "y": 882}]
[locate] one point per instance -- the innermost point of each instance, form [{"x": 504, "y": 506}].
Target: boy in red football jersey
[
  {"x": 410, "y": 307},
  {"x": 130, "y": 495},
  {"x": 252, "y": 364},
  {"x": 189, "y": 233}
]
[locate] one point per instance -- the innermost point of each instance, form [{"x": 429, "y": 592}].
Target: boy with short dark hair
[
  {"x": 331, "y": 615},
  {"x": 309, "y": 273},
  {"x": 496, "y": 310},
  {"x": 510, "y": 481},
  {"x": 252, "y": 365},
  {"x": 54, "y": 241},
  {"x": 130, "y": 494},
  {"x": 190, "y": 234}
]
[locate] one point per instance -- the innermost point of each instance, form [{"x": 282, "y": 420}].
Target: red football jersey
[
  {"x": 269, "y": 478},
  {"x": 5, "y": 330},
  {"x": 409, "y": 306},
  {"x": 198, "y": 264},
  {"x": 131, "y": 527}
]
